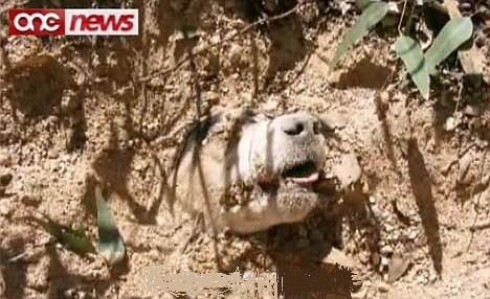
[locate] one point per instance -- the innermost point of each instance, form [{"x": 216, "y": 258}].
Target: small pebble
[
  {"x": 5, "y": 179},
  {"x": 385, "y": 262},
  {"x": 471, "y": 111},
  {"x": 432, "y": 277},
  {"x": 386, "y": 250},
  {"x": 6, "y": 209},
  {"x": 5, "y": 159},
  {"x": 412, "y": 235},
  {"x": 364, "y": 257},
  {"x": 451, "y": 124},
  {"x": 31, "y": 200},
  {"x": 212, "y": 97},
  {"x": 52, "y": 154},
  {"x": 383, "y": 287}
]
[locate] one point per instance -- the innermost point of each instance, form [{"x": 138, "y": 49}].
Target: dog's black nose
[
  {"x": 294, "y": 128},
  {"x": 298, "y": 124}
]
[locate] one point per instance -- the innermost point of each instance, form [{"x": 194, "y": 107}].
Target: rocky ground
[{"x": 74, "y": 111}]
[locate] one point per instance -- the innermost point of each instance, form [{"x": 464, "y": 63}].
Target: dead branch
[
  {"x": 479, "y": 226},
  {"x": 191, "y": 54},
  {"x": 478, "y": 201}
]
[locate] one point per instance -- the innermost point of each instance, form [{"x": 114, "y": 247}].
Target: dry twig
[
  {"x": 474, "y": 225},
  {"x": 192, "y": 54},
  {"x": 479, "y": 226}
]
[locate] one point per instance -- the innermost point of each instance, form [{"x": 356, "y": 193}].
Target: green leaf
[
  {"x": 110, "y": 245},
  {"x": 75, "y": 240},
  {"x": 372, "y": 15},
  {"x": 453, "y": 34},
  {"x": 412, "y": 56},
  {"x": 363, "y": 4}
]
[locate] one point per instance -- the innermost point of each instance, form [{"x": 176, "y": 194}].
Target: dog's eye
[
  {"x": 268, "y": 116},
  {"x": 262, "y": 117}
]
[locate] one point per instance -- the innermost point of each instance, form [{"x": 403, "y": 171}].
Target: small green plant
[
  {"x": 372, "y": 15},
  {"x": 73, "y": 239},
  {"x": 418, "y": 64},
  {"x": 110, "y": 245},
  {"x": 413, "y": 58}
]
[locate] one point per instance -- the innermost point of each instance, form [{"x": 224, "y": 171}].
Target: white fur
[{"x": 263, "y": 152}]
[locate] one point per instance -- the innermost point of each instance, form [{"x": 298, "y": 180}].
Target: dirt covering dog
[
  {"x": 249, "y": 172},
  {"x": 261, "y": 178}
]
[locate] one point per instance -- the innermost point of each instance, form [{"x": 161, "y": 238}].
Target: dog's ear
[
  {"x": 194, "y": 136},
  {"x": 201, "y": 129},
  {"x": 241, "y": 116},
  {"x": 255, "y": 118}
]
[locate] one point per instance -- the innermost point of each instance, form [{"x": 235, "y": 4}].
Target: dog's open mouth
[{"x": 304, "y": 174}]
